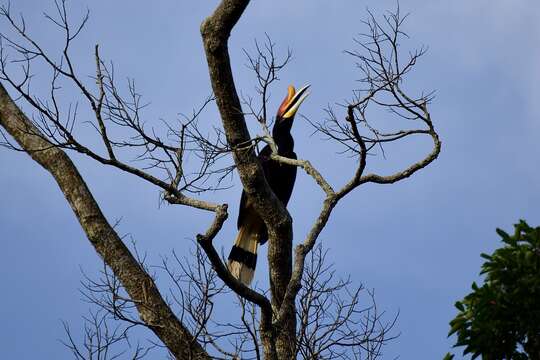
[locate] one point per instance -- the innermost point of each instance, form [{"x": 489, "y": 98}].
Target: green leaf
[
  {"x": 502, "y": 234},
  {"x": 486, "y": 256},
  {"x": 459, "y": 306},
  {"x": 467, "y": 350},
  {"x": 453, "y": 329}
]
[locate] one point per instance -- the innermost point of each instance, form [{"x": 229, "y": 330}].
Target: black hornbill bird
[{"x": 251, "y": 228}]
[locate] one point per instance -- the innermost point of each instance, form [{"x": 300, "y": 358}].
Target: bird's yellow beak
[{"x": 292, "y": 102}]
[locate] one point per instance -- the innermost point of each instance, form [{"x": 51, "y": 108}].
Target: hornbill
[{"x": 251, "y": 228}]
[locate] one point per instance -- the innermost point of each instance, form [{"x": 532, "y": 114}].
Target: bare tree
[{"x": 307, "y": 312}]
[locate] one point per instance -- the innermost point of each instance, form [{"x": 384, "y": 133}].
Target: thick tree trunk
[
  {"x": 280, "y": 264},
  {"x": 153, "y": 310},
  {"x": 215, "y": 31}
]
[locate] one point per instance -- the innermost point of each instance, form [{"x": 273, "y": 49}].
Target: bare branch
[
  {"x": 334, "y": 323},
  {"x": 103, "y": 341},
  {"x": 382, "y": 74}
]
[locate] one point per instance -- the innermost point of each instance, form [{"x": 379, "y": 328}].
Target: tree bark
[
  {"x": 215, "y": 31},
  {"x": 152, "y": 308}
]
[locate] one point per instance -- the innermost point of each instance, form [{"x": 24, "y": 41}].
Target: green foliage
[{"x": 501, "y": 319}]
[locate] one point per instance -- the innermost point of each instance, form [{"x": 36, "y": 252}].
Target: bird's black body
[
  {"x": 280, "y": 177},
  {"x": 252, "y": 231}
]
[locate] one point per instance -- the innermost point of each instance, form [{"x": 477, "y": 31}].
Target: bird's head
[{"x": 290, "y": 105}]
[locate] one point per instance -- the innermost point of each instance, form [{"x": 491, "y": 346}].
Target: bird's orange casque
[
  {"x": 292, "y": 101},
  {"x": 290, "y": 94}
]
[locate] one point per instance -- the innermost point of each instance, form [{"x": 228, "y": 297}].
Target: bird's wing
[
  {"x": 264, "y": 156},
  {"x": 280, "y": 177},
  {"x": 242, "y": 210},
  {"x": 287, "y": 179}
]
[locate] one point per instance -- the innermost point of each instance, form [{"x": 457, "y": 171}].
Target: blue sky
[{"x": 417, "y": 243}]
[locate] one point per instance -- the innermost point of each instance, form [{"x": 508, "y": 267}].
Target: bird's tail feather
[{"x": 243, "y": 256}]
